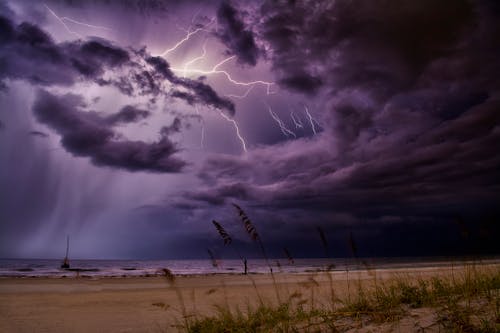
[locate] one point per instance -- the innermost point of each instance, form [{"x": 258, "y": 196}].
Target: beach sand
[{"x": 150, "y": 304}]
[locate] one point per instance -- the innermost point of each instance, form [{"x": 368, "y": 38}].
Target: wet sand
[{"x": 151, "y": 304}]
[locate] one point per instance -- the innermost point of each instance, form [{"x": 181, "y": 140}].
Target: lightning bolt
[
  {"x": 241, "y": 96},
  {"x": 238, "y": 134},
  {"x": 61, "y": 19},
  {"x": 62, "y": 22},
  {"x": 189, "y": 33},
  {"x": 311, "y": 120},
  {"x": 64, "y": 18},
  {"x": 202, "y": 138},
  {"x": 280, "y": 123},
  {"x": 215, "y": 70},
  {"x": 297, "y": 122},
  {"x": 182, "y": 41},
  {"x": 202, "y": 56}
]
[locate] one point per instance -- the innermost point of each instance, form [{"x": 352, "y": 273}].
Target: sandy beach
[{"x": 150, "y": 304}]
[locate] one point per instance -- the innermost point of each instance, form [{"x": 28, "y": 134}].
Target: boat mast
[
  {"x": 65, "y": 263},
  {"x": 67, "y": 247}
]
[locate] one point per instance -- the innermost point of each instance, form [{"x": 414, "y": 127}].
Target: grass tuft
[{"x": 466, "y": 303}]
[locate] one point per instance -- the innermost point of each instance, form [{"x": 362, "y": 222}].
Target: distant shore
[{"x": 151, "y": 304}]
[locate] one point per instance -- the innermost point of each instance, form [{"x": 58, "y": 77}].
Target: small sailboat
[{"x": 65, "y": 263}]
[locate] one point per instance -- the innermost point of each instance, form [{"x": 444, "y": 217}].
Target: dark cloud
[
  {"x": 205, "y": 94},
  {"x": 353, "y": 44},
  {"x": 409, "y": 121},
  {"x": 407, "y": 94},
  {"x": 30, "y": 54},
  {"x": 219, "y": 195},
  {"x": 440, "y": 168},
  {"x": 301, "y": 82},
  {"x": 175, "y": 127},
  {"x": 146, "y": 82},
  {"x": 235, "y": 36},
  {"x": 92, "y": 57},
  {"x": 127, "y": 114},
  {"x": 200, "y": 92},
  {"x": 162, "y": 67},
  {"x": 39, "y": 134},
  {"x": 147, "y": 8},
  {"x": 87, "y": 134},
  {"x": 188, "y": 98},
  {"x": 7, "y": 30}
]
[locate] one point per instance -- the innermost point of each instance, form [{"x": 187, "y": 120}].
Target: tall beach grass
[{"x": 462, "y": 298}]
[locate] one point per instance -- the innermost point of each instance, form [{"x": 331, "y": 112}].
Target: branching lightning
[
  {"x": 215, "y": 70},
  {"x": 189, "y": 33},
  {"x": 238, "y": 134},
  {"x": 62, "y": 20},
  {"x": 186, "y": 69},
  {"x": 190, "y": 62},
  {"x": 287, "y": 132},
  {"x": 182, "y": 41}
]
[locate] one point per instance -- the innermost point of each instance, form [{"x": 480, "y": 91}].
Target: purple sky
[{"x": 131, "y": 125}]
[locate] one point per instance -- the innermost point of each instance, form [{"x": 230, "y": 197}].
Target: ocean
[{"x": 131, "y": 268}]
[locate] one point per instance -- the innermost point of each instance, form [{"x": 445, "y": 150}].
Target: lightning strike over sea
[{"x": 138, "y": 136}]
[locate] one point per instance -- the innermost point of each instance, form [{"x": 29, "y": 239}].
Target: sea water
[{"x": 130, "y": 268}]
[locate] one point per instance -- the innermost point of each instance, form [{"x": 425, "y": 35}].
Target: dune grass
[{"x": 465, "y": 302}]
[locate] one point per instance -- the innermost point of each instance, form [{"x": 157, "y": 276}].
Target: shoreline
[
  {"x": 152, "y": 304},
  {"x": 361, "y": 265},
  {"x": 17, "y": 284}
]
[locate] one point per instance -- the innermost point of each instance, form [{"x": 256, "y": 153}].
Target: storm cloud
[
  {"x": 30, "y": 54},
  {"x": 233, "y": 33},
  {"x": 393, "y": 107},
  {"x": 127, "y": 114},
  {"x": 410, "y": 95},
  {"x": 85, "y": 133}
]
